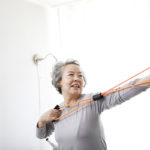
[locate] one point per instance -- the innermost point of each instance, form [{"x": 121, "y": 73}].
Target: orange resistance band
[
  {"x": 90, "y": 99},
  {"x": 126, "y": 80}
]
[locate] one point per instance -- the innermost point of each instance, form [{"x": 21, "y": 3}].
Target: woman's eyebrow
[{"x": 70, "y": 72}]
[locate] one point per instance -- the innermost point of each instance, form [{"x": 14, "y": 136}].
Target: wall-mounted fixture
[{"x": 37, "y": 58}]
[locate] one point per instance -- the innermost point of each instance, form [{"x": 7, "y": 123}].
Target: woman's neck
[{"x": 68, "y": 99}]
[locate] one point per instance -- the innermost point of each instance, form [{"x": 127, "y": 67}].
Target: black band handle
[
  {"x": 56, "y": 107},
  {"x": 97, "y": 97}
]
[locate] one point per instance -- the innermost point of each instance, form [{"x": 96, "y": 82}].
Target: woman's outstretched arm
[{"x": 145, "y": 79}]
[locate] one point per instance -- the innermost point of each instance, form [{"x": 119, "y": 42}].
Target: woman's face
[{"x": 72, "y": 80}]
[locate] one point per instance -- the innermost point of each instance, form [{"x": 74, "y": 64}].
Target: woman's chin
[{"x": 76, "y": 92}]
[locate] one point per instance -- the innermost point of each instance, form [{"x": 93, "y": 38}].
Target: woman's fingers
[
  {"x": 50, "y": 115},
  {"x": 54, "y": 113}
]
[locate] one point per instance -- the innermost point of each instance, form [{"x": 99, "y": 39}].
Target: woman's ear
[{"x": 59, "y": 83}]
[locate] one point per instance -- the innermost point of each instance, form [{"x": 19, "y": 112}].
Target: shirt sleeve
[
  {"x": 45, "y": 131},
  {"x": 119, "y": 97}
]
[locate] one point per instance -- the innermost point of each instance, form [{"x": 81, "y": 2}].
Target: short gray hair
[{"x": 57, "y": 73}]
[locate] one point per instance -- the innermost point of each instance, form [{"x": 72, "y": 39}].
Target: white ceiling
[{"x": 54, "y": 3}]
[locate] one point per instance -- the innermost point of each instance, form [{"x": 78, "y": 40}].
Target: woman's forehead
[{"x": 72, "y": 68}]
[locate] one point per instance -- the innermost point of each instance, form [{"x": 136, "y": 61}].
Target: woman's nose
[{"x": 76, "y": 78}]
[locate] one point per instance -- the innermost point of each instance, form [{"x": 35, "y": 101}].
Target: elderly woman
[{"x": 82, "y": 129}]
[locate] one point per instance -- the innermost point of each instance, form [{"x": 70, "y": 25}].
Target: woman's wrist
[{"x": 41, "y": 124}]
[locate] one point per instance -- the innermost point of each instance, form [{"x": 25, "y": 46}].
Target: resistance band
[{"x": 100, "y": 96}]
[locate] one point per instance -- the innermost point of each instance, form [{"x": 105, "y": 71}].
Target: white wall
[{"x": 23, "y": 32}]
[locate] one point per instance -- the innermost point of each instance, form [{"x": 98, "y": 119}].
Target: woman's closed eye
[
  {"x": 70, "y": 74},
  {"x": 80, "y": 75}
]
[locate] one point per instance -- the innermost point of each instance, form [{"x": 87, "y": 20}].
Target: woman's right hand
[{"x": 48, "y": 116}]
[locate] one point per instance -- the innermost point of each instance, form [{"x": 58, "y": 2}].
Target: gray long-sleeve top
[{"x": 82, "y": 129}]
